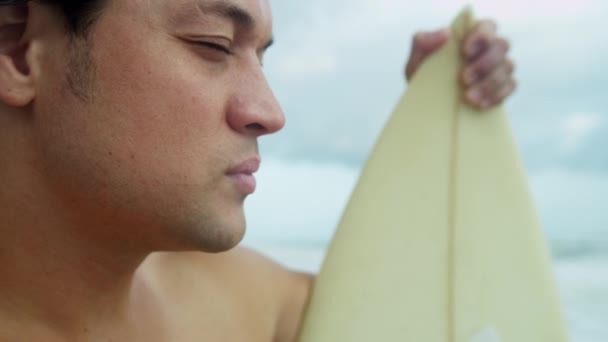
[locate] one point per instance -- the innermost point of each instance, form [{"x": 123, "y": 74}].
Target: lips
[
  {"x": 242, "y": 175},
  {"x": 247, "y": 167}
]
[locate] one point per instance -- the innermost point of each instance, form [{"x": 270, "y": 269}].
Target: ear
[{"x": 16, "y": 83}]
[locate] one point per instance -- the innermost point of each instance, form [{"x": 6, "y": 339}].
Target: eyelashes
[
  {"x": 218, "y": 51},
  {"x": 216, "y": 47}
]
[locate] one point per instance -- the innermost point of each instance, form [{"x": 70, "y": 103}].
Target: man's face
[{"x": 145, "y": 126}]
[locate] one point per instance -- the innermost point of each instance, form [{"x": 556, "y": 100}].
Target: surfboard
[{"x": 440, "y": 241}]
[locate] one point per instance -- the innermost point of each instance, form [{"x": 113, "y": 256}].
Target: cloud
[
  {"x": 576, "y": 129},
  {"x": 300, "y": 64},
  {"x": 328, "y": 32},
  {"x": 337, "y": 69},
  {"x": 575, "y": 141},
  {"x": 585, "y": 149}
]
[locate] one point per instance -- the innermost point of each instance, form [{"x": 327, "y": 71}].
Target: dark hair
[{"x": 79, "y": 15}]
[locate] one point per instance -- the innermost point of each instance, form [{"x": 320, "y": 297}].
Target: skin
[{"x": 119, "y": 221}]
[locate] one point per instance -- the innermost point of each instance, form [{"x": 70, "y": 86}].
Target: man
[{"x": 128, "y": 133}]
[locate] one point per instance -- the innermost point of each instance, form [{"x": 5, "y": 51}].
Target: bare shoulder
[{"x": 245, "y": 280}]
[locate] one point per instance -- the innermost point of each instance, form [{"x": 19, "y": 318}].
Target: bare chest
[
  {"x": 222, "y": 325},
  {"x": 223, "y": 317}
]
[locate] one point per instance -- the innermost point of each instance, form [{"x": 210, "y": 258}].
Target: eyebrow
[
  {"x": 229, "y": 11},
  {"x": 234, "y": 13}
]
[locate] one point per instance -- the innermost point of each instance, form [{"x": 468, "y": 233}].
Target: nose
[{"x": 253, "y": 109}]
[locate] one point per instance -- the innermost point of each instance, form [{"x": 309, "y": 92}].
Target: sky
[{"x": 337, "y": 69}]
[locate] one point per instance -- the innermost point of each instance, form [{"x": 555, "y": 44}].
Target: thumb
[{"x": 423, "y": 45}]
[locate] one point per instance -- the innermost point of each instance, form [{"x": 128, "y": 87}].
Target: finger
[
  {"x": 501, "y": 95},
  {"x": 493, "y": 81},
  {"x": 424, "y": 44},
  {"x": 486, "y": 63},
  {"x": 479, "y": 39},
  {"x": 486, "y": 91}
]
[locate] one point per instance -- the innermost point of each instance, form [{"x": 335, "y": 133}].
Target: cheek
[
  {"x": 152, "y": 131},
  {"x": 158, "y": 111},
  {"x": 157, "y": 105}
]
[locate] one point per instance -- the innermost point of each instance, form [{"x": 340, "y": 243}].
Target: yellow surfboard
[{"x": 440, "y": 241}]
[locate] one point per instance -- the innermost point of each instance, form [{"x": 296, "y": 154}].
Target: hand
[
  {"x": 488, "y": 72},
  {"x": 487, "y": 75}
]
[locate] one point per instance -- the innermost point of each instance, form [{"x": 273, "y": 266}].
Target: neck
[
  {"x": 59, "y": 272},
  {"x": 62, "y": 281}
]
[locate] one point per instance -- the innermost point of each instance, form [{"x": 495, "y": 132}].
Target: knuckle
[
  {"x": 492, "y": 60},
  {"x": 492, "y": 26},
  {"x": 507, "y": 91},
  {"x": 510, "y": 66},
  {"x": 487, "y": 26},
  {"x": 484, "y": 66},
  {"x": 504, "y": 44},
  {"x": 496, "y": 84},
  {"x": 486, "y": 86},
  {"x": 491, "y": 85}
]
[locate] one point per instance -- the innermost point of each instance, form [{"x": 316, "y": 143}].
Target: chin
[
  {"x": 222, "y": 241},
  {"x": 195, "y": 219},
  {"x": 209, "y": 235}
]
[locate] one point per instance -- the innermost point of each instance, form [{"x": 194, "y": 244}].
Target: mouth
[{"x": 242, "y": 175}]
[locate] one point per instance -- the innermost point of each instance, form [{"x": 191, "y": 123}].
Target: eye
[{"x": 216, "y": 47}]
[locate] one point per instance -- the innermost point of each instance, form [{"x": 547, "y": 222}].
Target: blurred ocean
[{"x": 581, "y": 269}]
